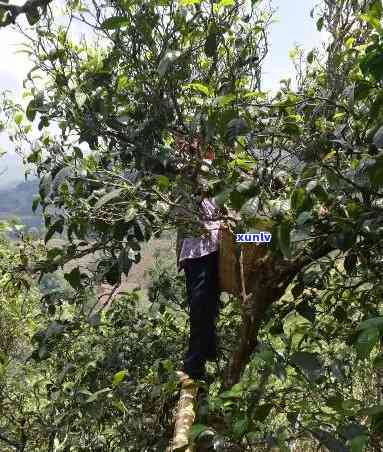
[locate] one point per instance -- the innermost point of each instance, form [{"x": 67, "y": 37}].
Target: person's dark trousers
[{"x": 203, "y": 297}]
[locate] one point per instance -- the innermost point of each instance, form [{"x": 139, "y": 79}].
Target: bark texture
[
  {"x": 269, "y": 279},
  {"x": 185, "y": 415}
]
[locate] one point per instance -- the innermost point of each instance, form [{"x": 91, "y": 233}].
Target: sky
[{"x": 293, "y": 25}]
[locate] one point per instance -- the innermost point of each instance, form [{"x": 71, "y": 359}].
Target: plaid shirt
[{"x": 193, "y": 247}]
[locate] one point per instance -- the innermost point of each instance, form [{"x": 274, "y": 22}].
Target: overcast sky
[{"x": 293, "y": 26}]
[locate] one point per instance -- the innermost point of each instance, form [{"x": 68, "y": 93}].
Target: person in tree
[{"x": 197, "y": 255}]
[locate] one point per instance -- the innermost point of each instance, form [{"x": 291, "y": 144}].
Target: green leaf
[
  {"x": 245, "y": 186},
  {"x": 35, "y": 203},
  {"x": 189, "y": 2},
  {"x": 254, "y": 95},
  {"x": 3, "y": 358},
  {"x": 349, "y": 42},
  {"x": 344, "y": 240},
  {"x": 372, "y": 64},
  {"x": 266, "y": 356},
  {"x": 371, "y": 411},
  {"x": 118, "y": 377},
  {"x": 375, "y": 173},
  {"x": 118, "y": 404},
  {"x": 378, "y": 362},
  {"x": 122, "y": 82},
  {"x": 18, "y": 226},
  {"x": 366, "y": 341},
  {"x": 32, "y": 14},
  {"x": 309, "y": 363},
  {"x": 378, "y": 138},
  {"x": 57, "y": 226},
  {"x": 236, "y": 127},
  {"x": 3, "y": 11},
  {"x": 110, "y": 196},
  {"x": 96, "y": 395},
  {"x": 294, "y": 324},
  {"x": 130, "y": 215},
  {"x": 362, "y": 89},
  {"x": 225, "y": 3},
  {"x": 327, "y": 439},
  {"x": 54, "y": 252},
  {"x": 359, "y": 443},
  {"x": 304, "y": 217},
  {"x": 234, "y": 393},
  {"x": 211, "y": 45},
  {"x": 34, "y": 157},
  {"x": 80, "y": 98},
  {"x": 310, "y": 57},
  {"x": 222, "y": 197},
  {"x": 240, "y": 427},
  {"x": 225, "y": 100},
  {"x": 353, "y": 430},
  {"x": 297, "y": 198},
  {"x": 125, "y": 261},
  {"x": 74, "y": 278},
  {"x": 18, "y": 118},
  {"x": 372, "y": 19},
  {"x": 94, "y": 319},
  {"x": 196, "y": 430},
  {"x": 376, "y": 322},
  {"x": 43, "y": 352},
  {"x": 170, "y": 57},
  {"x": 115, "y": 22},
  {"x": 284, "y": 239},
  {"x": 45, "y": 185},
  {"x": 262, "y": 411},
  {"x": 250, "y": 208},
  {"x": 162, "y": 181},
  {"x": 320, "y": 23},
  {"x": 350, "y": 262},
  {"x": 200, "y": 87},
  {"x": 54, "y": 329},
  {"x": 31, "y": 110}
]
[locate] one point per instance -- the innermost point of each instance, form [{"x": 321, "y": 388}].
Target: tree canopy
[{"x": 303, "y": 352}]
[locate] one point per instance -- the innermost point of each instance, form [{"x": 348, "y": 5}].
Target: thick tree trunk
[{"x": 270, "y": 277}]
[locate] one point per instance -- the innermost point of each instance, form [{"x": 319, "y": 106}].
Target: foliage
[
  {"x": 306, "y": 164},
  {"x": 167, "y": 286},
  {"x": 85, "y": 377},
  {"x": 33, "y": 9}
]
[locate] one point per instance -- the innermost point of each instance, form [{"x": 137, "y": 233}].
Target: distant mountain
[
  {"x": 17, "y": 202},
  {"x": 11, "y": 166}
]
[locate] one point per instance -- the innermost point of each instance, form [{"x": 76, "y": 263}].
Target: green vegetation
[{"x": 302, "y": 355}]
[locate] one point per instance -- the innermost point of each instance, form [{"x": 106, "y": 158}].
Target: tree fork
[{"x": 271, "y": 277}]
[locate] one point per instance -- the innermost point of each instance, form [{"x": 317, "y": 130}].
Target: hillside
[
  {"x": 139, "y": 276},
  {"x": 17, "y": 202}
]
